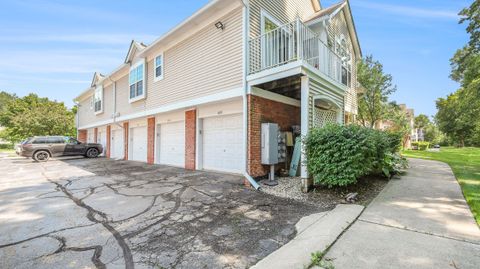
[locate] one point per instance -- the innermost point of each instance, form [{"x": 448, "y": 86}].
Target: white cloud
[
  {"x": 408, "y": 11},
  {"x": 96, "y": 39}
]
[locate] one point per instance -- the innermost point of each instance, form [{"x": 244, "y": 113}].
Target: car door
[
  {"x": 74, "y": 147},
  {"x": 56, "y": 145}
]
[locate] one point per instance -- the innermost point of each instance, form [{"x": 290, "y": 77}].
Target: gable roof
[
  {"x": 330, "y": 12},
  {"x": 96, "y": 77},
  {"x": 134, "y": 47}
]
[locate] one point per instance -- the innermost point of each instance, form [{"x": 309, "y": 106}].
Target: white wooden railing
[{"x": 291, "y": 42}]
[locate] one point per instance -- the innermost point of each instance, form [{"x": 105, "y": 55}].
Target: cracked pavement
[{"x": 101, "y": 213}]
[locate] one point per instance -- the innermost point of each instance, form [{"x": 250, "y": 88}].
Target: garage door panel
[
  {"x": 172, "y": 143},
  {"x": 117, "y": 144},
  {"x": 223, "y": 143},
  {"x": 139, "y": 144}
]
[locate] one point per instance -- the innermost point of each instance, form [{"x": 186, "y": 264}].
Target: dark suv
[{"x": 41, "y": 148}]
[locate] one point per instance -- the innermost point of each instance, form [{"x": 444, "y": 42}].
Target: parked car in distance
[
  {"x": 436, "y": 146},
  {"x": 42, "y": 148}
]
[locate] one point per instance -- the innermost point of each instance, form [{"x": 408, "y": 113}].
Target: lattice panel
[{"x": 322, "y": 117}]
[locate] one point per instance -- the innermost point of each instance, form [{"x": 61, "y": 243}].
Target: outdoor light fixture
[{"x": 220, "y": 25}]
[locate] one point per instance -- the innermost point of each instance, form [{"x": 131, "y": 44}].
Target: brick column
[
  {"x": 82, "y": 136},
  {"x": 190, "y": 138},
  {"x": 125, "y": 140},
  {"x": 95, "y": 135},
  {"x": 109, "y": 140},
  {"x": 151, "y": 140}
]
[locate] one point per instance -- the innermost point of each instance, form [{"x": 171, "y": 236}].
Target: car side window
[
  {"x": 55, "y": 140},
  {"x": 40, "y": 140},
  {"x": 71, "y": 141}
]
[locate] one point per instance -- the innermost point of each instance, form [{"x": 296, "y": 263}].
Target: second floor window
[
  {"x": 98, "y": 100},
  {"x": 137, "y": 82},
  {"x": 346, "y": 58},
  {"x": 158, "y": 67}
]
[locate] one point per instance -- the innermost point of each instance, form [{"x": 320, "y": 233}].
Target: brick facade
[
  {"x": 82, "y": 136},
  {"x": 190, "y": 138},
  {"x": 151, "y": 140},
  {"x": 109, "y": 141},
  {"x": 261, "y": 110},
  {"x": 95, "y": 135},
  {"x": 125, "y": 140}
]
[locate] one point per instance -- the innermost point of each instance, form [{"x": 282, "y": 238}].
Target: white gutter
[{"x": 246, "y": 13}]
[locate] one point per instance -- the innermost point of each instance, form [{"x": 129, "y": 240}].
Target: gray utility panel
[{"x": 269, "y": 143}]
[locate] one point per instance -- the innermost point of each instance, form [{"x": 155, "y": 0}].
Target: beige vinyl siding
[
  {"x": 124, "y": 107},
  {"x": 86, "y": 115},
  {"x": 316, "y": 88},
  {"x": 283, "y": 10},
  {"x": 338, "y": 27},
  {"x": 86, "y": 112},
  {"x": 206, "y": 63}
]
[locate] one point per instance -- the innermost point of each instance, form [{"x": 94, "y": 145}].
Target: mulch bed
[{"x": 290, "y": 187}]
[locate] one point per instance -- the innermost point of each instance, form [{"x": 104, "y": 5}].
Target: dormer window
[
  {"x": 98, "y": 100},
  {"x": 137, "y": 81},
  {"x": 158, "y": 67}
]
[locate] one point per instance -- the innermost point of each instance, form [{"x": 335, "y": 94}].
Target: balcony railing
[{"x": 292, "y": 42}]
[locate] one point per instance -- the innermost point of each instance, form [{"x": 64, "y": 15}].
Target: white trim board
[
  {"x": 222, "y": 96},
  {"x": 274, "y": 97}
]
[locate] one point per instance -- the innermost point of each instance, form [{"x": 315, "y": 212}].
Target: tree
[
  {"x": 372, "y": 104},
  {"x": 471, "y": 15},
  {"x": 31, "y": 116},
  {"x": 5, "y": 97},
  {"x": 400, "y": 122},
  {"x": 422, "y": 121}
]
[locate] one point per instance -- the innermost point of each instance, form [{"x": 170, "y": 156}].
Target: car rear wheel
[
  {"x": 92, "y": 153},
  {"x": 41, "y": 156}
]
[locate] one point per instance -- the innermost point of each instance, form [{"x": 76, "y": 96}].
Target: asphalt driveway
[{"x": 99, "y": 213}]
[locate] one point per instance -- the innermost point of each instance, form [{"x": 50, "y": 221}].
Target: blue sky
[{"x": 53, "y": 47}]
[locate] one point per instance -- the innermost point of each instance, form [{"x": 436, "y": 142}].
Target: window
[
  {"x": 71, "y": 141},
  {"x": 40, "y": 140},
  {"x": 158, "y": 67},
  {"x": 98, "y": 100},
  {"x": 342, "y": 50},
  {"x": 137, "y": 81},
  {"x": 55, "y": 140}
]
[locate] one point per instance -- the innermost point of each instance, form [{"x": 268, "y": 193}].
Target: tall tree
[
  {"x": 400, "y": 121},
  {"x": 372, "y": 104},
  {"x": 31, "y": 115},
  {"x": 471, "y": 16},
  {"x": 422, "y": 121},
  {"x": 5, "y": 97}
]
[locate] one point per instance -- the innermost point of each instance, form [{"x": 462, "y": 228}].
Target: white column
[{"x": 304, "y": 121}]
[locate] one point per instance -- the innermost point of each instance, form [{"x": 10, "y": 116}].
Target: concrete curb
[{"x": 314, "y": 233}]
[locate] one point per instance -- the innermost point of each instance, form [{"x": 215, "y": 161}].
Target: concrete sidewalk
[
  {"x": 419, "y": 221},
  {"x": 314, "y": 233}
]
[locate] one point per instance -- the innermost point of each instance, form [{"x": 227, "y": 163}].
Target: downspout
[{"x": 246, "y": 20}]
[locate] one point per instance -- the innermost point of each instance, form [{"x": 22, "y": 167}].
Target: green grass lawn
[{"x": 465, "y": 163}]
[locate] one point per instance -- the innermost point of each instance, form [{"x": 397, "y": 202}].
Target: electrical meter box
[{"x": 269, "y": 143}]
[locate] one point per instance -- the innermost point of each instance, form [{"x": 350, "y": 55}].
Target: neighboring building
[
  {"x": 196, "y": 97},
  {"x": 413, "y": 136}
]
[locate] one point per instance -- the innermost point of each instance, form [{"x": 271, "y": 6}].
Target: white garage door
[
  {"x": 102, "y": 139},
  {"x": 117, "y": 144},
  {"x": 138, "y": 144},
  {"x": 90, "y": 136},
  {"x": 223, "y": 143},
  {"x": 172, "y": 143}
]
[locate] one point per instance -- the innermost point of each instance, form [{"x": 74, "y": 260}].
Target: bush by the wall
[
  {"x": 420, "y": 145},
  {"x": 338, "y": 155}
]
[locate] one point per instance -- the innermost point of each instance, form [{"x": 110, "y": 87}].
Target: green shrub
[
  {"x": 338, "y": 155},
  {"x": 420, "y": 145}
]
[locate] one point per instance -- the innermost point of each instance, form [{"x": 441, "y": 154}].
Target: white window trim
[
  {"x": 99, "y": 88},
  {"x": 264, "y": 14},
  {"x": 155, "y": 78},
  {"x": 144, "y": 84}
]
